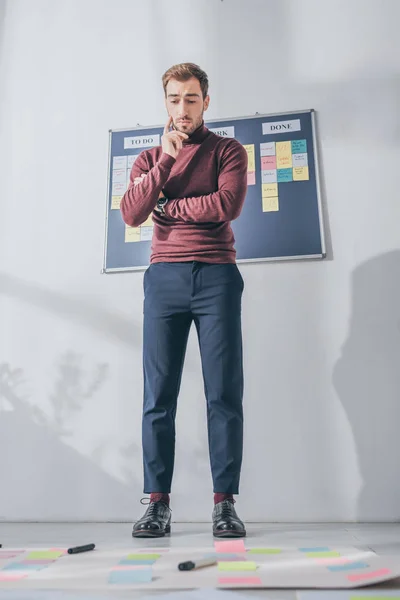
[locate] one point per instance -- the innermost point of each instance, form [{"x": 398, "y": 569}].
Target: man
[{"x": 194, "y": 184}]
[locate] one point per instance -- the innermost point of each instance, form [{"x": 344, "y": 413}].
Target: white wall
[{"x": 322, "y": 350}]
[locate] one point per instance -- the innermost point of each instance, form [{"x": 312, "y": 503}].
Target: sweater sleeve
[
  {"x": 139, "y": 200},
  {"x": 226, "y": 203}
]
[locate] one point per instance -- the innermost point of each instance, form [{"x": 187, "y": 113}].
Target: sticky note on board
[
  {"x": 116, "y": 202},
  {"x": 237, "y": 565},
  {"x": 300, "y": 174},
  {"x": 132, "y": 234},
  {"x": 269, "y": 176},
  {"x": 268, "y": 162},
  {"x": 283, "y": 155},
  {"x": 251, "y": 178},
  {"x": 250, "y": 157},
  {"x": 44, "y": 554},
  {"x": 299, "y": 146},
  {"x": 264, "y": 551},
  {"x": 246, "y": 581},
  {"x": 269, "y": 189},
  {"x": 267, "y": 149},
  {"x": 270, "y": 204},
  {"x": 230, "y": 547},
  {"x": 136, "y": 562},
  {"x": 300, "y": 160},
  {"x": 285, "y": 175}
]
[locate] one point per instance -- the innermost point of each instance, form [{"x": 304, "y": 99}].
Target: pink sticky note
[
  {"x": 370, "y": 575},
  {"x": 231, "y": 547},
  {"x": 12, "y": 576},
  {"x": 251, "y": 178},
  {"x": 268, "y": 163},
  {"x": 239, "y": 581},
  {"x": 334, "y": 560}
]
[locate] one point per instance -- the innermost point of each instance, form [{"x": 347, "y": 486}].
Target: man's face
[{"x": 185, "y": 104}]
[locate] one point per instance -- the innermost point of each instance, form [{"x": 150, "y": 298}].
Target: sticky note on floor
[
  {"x": 315, "y": 549},
  {"x": 348, "y": 567},
  {"x": 45, "y": 554},
  {"x": 264, "y": 551},
  {"x": 128, "y": 562},
  {"x": 237, "y": 565},
  {"x": 323, "y": 554},
  {"x": 142, "y": 556},
  {"x": 12, "y": 576},
  {"x": 23, "y": 566},
  {"x": 231, "y": 547},
  {"x": 246, "y": 581},
  {"x": 130, "y": 576}
]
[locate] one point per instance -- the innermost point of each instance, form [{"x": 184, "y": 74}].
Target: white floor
[{"x": 382, "y": 538}]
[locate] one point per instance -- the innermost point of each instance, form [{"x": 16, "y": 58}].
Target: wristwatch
[{"x": 161, "y": 202}]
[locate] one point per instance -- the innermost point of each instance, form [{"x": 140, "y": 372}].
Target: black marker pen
[{"x": 81, "y": 549}]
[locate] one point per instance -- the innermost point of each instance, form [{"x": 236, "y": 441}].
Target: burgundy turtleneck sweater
[{"x": 206, "y": 186}]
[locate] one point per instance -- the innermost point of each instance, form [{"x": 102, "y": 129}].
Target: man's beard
[{"x": 189, "y": 129}]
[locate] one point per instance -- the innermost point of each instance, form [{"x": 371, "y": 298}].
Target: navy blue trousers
[{"x": 175, "y": 295}]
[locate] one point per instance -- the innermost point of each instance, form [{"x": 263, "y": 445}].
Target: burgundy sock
[
  {"x": 222, "y": 497},
  {"x": 159, "y": 497}
]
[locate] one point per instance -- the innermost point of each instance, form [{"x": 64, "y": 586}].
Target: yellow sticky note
[
  {"x": 284, "y": 155},
  {"x": 270, "y": 204},
  {"x": 237, "y": 565},
  {"x": 115, "y": 202},
  {"x": 300, "y": 174},
  {"x": 251, "y": 165},
  {"x": 132, "y": 234},
  {"x": 148, "y": 222},
  {"x": 269, "y": 189}
]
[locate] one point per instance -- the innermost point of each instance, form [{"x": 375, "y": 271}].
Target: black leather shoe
[
  {"x": 156, "y": 521},
  {"x": 226, "y": 523}
]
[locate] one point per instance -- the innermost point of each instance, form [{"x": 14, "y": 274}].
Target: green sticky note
[
  {"x": 265, "y": 551},
  {"x": 323, "y": 554},
  {"x": 237, "y": 565},
  {"x": 44, "y": 554},
  {"x": 143, "y": 556}
]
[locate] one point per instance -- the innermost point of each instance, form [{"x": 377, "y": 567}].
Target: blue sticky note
[
  {"x": 348, "y": 566},
  {"x": 299, "y": 146},
  {"x": 285, "y": 175},
  {"x": 19, "y": 566},
  {"x": 126, "y": 561},
  {"x": 125, "y": 576},
  {"x": 316, "y": 549}
]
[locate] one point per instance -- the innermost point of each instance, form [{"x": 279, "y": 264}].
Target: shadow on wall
[
  {"x": 367, "y": 380},
  {"x": 73, "y": 307},
  {"x": 44, "y": 475}
]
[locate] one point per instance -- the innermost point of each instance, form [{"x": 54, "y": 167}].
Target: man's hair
[{"x": 183, "y": 72}]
